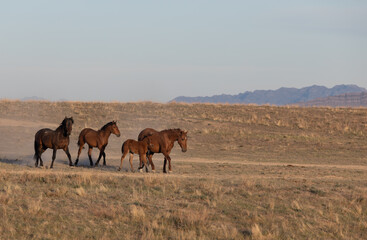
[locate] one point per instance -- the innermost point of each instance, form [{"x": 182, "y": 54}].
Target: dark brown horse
[
  {"x": 163, "y": 142},
  {"x": 97, "y": 139},
  {"x": 58, "y": 139},
  {"x": 132, "y": 146}
]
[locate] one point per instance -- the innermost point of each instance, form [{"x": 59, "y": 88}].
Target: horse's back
[
  {"x": 146, "y": 132},
  {"x": 40, "y": 134},
  {"x": 88, "y": 135},
  {"x": 43, "y": 131},
  {"x": 134, "y": 146},
  {"x": 44, "y": 137},
  {"x": 86, "y": 131},
  {"x": 160, "y": 141},
  {"x": 130, "y": 145}
]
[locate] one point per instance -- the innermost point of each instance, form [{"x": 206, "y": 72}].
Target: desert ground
[{"x": 250, "y": 172}]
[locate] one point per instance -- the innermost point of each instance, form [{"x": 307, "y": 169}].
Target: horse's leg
[
  {"x": 90, "y": 155},
  {"x": 167, "y": 157},
  {"x": 104, "y": 158},
  {"x": 169, "y": 161},
  {"x": 40, "y": 158},
  {"x": 53, "y": 157},
  {"x": 66, "y": 150},
  {"x": 144, "y": 158},
  {"x": 79, "y": 151},
  {"x": 41, "y": 161},
  {"x": 141, "y": 164},
  {"x": 164, "y": 165},
  {"x": 131, "y": 162},
  {"x": 122, "y": 159},
  {"x": 99, "y": 158},
  {"x": 41, "y": 150},
  {"x": 150, "y": 156},
  {"x": 100, "y": 155}
]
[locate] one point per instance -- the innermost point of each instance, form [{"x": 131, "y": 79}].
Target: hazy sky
[{"x": 157, "y": 50}]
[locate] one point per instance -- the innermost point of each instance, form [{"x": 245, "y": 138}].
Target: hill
[
  {"x": 250, "y": 172},
  {"x": 343, "y": 100},
  {"x": 281, "y": 96},
  {"x": 33, "y": 98}
]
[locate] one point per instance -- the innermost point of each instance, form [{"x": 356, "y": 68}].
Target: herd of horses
[{"x": 149, "y": 142}]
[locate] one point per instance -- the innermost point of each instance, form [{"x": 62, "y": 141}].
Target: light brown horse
[
  {"x": 146, "y": 132},
  {"x": 163, "y": 142},
  {"x": 97, "y": 139},
  {"x": 132, "y": 146},
  {"x": 58, "y": 139}
]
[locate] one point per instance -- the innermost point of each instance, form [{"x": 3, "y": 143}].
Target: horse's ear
[{"x": 72, "y": 120}]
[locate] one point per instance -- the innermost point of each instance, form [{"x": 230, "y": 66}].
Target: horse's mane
[
  {"x": 63, "y": 123},
  {"x": 171, "y": 130},
  {"x": 107, "y": 124}
]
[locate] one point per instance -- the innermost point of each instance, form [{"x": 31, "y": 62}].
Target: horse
[
  {"x": 163, "y": 142},
  {"x": 97, "y": 139},
  {"x": 54, "y": 139},
  {"x": 146, "y": 132},
  {"x": 132, "y": 146}
]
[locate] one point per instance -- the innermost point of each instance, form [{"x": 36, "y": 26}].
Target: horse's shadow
[
  {"x": 16, "y": 161},
  {"x": 29, "y": 163},
  {"x": 84, "y": 164}
]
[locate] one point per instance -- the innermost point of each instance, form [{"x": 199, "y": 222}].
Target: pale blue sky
[{"x": 157, "y": 50}]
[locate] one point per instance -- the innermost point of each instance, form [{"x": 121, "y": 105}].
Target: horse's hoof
[
  {"x": 141, "y": 170},
  {"x": 119, "y": 169},
  {"x": 153, "y": 171}
]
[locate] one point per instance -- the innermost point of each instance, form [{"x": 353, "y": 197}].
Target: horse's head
[
  {"x": 67, "y": 124},
  {"x": 114, "y": 129},
  {"x": 182, "y": 140}
]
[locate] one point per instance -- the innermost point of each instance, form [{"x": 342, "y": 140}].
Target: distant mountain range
[
  {"x": 343, "y": 100},
  {"x": 33, "y": 98},
  {"x": 281, "y": 96}
]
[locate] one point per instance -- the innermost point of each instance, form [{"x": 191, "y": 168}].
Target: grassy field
[{"x": 250, "y": 172}]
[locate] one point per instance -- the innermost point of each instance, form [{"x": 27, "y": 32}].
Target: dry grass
[{"x": 251, "y": 172}]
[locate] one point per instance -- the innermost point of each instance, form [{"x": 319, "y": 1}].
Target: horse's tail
[
  {"x": 35, "y": 156},
  {"x": 123, "y": 147},
  {"x": 81, "y": 140}
]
